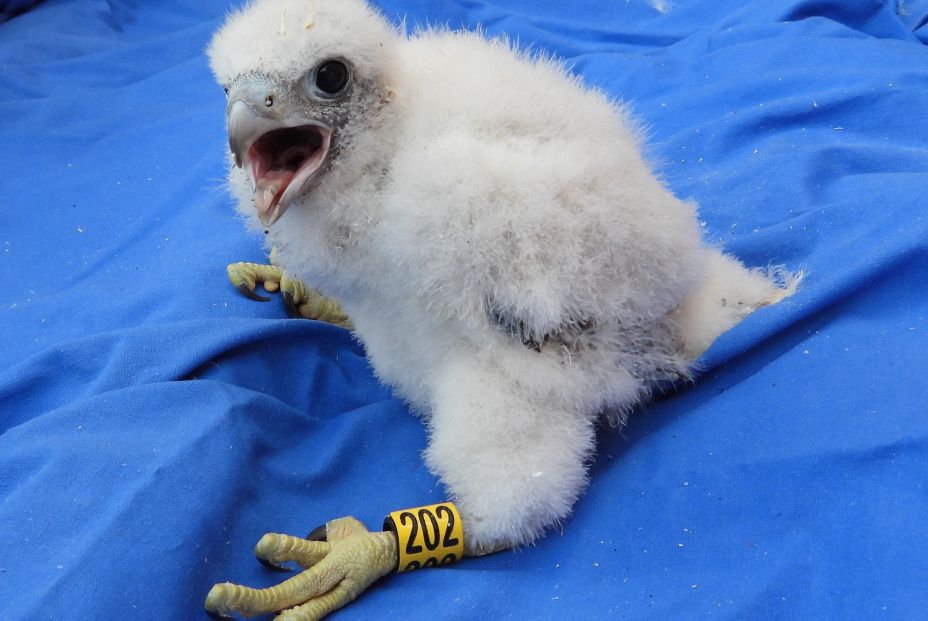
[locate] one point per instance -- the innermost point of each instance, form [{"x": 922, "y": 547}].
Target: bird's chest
[{"x": 402, "y": 342}]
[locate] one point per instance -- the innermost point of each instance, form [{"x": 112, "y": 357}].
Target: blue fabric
[{"x": 154, "y": 423}]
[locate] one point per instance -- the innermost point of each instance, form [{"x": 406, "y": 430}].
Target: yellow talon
[
  {"x": 274, "y": 549},
  {"x": 246, "y": 276},
  {"x": 321, "y": 308},
  {"x": 339, "y": 569},
  {"x": 300, "y": 300}
]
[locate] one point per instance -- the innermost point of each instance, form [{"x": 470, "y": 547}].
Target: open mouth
[{"x": 282, "y": 162}]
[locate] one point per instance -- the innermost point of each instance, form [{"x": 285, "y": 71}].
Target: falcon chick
[{"x": 512, "y": 265}]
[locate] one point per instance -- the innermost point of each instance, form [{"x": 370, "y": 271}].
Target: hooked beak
[{"x": 281, "y": 154}]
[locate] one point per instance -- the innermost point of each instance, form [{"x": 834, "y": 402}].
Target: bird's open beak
[{"x": 282, "y": 153}]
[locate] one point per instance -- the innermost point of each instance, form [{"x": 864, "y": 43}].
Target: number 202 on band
[{"x": 426, "y": 536}]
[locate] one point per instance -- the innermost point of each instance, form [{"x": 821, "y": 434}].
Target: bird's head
[{"x": 304, "y": 79}]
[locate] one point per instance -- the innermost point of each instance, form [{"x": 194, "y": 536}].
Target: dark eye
[{"x": 332, "y": 77}]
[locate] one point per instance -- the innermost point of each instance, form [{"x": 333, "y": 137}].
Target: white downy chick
[{"x": 511, "y": 263}]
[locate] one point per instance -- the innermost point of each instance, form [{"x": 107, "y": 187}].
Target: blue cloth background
[{"x": 154, "y": 424}]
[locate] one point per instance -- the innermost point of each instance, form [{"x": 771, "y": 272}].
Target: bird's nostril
[{"x": 269, "y": 101}]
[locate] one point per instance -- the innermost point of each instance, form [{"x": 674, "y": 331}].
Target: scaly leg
[
  {"x": 300, "y": 300},
  {"x": 336, "y": 571}
]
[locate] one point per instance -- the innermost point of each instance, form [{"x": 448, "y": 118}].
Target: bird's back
[
  {"x": 463, "y": 81},
  {"x": 529, "y": 187}
]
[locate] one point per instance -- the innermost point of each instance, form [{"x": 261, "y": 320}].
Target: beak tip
[{"x": 268, "y": 218}]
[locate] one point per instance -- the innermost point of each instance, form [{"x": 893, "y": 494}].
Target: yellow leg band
[{"x": 426, "y": 536}]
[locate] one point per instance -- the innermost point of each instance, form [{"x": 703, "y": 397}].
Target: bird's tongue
[{"x": 269, "y": 189}]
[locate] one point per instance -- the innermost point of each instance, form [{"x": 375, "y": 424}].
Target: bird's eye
[{"x": 331, "y": 78}]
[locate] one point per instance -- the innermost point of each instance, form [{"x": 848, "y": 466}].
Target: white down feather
[{"x": 492, "y": 177}]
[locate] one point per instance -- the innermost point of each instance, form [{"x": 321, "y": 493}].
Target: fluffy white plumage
[{"x": 480, "y": 199}]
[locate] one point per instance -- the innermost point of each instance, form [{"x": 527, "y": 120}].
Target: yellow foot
[
  {"x": 300, "y": 300},
  {"x": 337, "y": 570}
]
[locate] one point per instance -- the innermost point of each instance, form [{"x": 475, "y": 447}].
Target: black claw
[
  {"x": 215, "y": 615},
  {"x": 320, "y": 533},
  {"x": 273, "y": 566},
  {"x": 249, "y": 293},
  {"x": 292, "y": 310}
]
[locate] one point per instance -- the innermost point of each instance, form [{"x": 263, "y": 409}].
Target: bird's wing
[{"x": 521, "y": 327}]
